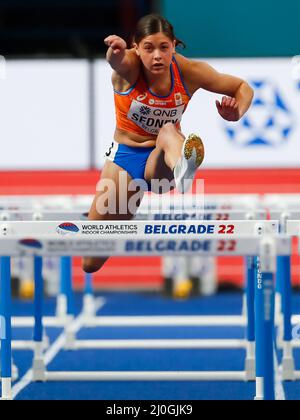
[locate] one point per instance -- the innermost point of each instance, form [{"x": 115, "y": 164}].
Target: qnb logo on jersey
[
  {"x": 145, "y": 110},
  {"x": 67, "y": 228},
  {"x": 30, "y": 243},
  {"x": 269, "y": 122},
  {"x": 152, "y": 119}
]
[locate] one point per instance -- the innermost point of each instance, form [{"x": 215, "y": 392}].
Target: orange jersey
[{"x": 142, "y": 112}]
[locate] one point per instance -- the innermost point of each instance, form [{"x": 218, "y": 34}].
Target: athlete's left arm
[{"x": 238, "y": 94}]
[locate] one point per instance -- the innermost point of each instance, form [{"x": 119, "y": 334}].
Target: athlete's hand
[
  {"x": 228, "y": 109},
  {"x": 116, "y": 43}
]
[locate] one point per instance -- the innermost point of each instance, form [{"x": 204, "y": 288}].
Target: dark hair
[{"x": 152, "y": 24}]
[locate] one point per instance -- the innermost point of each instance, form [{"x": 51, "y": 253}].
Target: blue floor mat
[
  {"x": 139, "y": 391},
  {"x": 130, "y": 304}
]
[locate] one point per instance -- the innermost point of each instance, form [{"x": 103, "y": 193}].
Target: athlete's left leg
[{"x": 175, "y": 157}]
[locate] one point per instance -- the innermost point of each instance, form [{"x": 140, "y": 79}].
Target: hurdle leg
[
  {"x": 182, "y": 284},
  {"x": 265, "y": 324},
  {"x": 38, "y": 361},
  {"x": 288, "y": 363},
  {"x": 269, "y": 304},
  {"x": 89, "y": 309},
  {"x": 279, "y": 302},
  {"x": 250, "y": 312},
  {"x": 244, "y": 305},
  {"x": 5, "y": 313},
  {"x": 202, "y": 270},
  {"x": 167, "y": 268},
  {"x": 259, "y": 332},
  {"x": 15, "y": 371},
  {"x": 67, "y": 292},
  {"x": 65, "y": 300}
]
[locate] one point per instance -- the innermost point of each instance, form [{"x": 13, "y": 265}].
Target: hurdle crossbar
[
  {"x": 176, "y": 214},
  {"x": 148, "y": 229},
  {"x": 54, "y": 246}
]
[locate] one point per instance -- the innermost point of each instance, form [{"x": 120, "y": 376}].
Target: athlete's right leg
[{"x": 110, "y": 196}]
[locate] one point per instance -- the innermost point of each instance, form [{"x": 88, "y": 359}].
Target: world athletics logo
[
  {"x": 67, "y": 228},
  {"x": 31, "y": 244},
  {"x": 269, "y": 122}
]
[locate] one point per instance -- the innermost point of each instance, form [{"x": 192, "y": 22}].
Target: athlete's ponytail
[{"x": 152, "y": 24}]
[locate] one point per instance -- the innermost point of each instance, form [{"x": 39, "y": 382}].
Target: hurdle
[
  {"x": 83, "y": 202},
  {"x": 171, "y": 204},
  {"x": 177, "y": 271},
  {"x": 281, "y": 202},
  {"x": 172, "y": 208},
  {"x": 207, "y": 202},
  {"x": 292, "y": 229},
  {"x": 142, "y": 215},
  {"x": 71, "y": 202},
  {"x": 225, "y": 204},
  {"x": 285, "y": 210},
  {"x": 139, "y": 243},
  {"x": 285, "y": 320},
  {"x": 71, "y": 343}
]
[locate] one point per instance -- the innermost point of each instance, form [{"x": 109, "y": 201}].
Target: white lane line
[{"x": 53, "y": 351}]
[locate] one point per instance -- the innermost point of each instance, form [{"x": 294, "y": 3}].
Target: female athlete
[{"x": 153, "y": 85}]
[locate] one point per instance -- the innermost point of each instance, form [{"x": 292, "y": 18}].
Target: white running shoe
[{"x": 192, "y": 157}]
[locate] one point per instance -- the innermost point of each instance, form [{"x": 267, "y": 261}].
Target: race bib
[{"x": 152, "y": 119}]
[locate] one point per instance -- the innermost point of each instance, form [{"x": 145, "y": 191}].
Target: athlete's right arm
[{"x": 121, "y": 59}]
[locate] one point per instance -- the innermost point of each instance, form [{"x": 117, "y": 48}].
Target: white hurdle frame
[
  {"x": 286, "y": 209},
  {"x": 45, "y": 207},
  {"x": 223, "y": 206},
  {"x": 191, "y": 214},
  {"x": 293, "y": 229},
  {"x": 215, "y": 244}
]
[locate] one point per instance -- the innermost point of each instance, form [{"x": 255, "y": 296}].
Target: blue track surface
[{"x": 147, "y": 304}]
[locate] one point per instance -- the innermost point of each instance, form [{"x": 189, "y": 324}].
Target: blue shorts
[{"x": 132, "y": 159}]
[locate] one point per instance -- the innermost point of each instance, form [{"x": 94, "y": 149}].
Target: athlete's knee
[
  {"x": 92, "y": 265},
  {"x": 165, "y": 135},
  {"x": 168, "y": 128}
]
